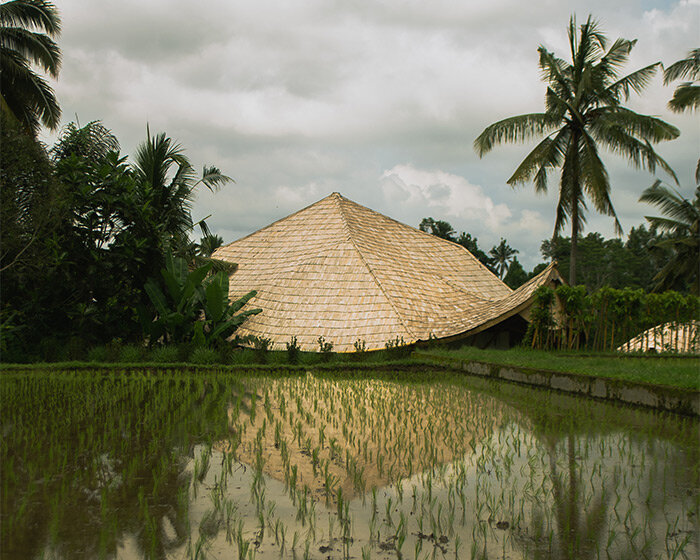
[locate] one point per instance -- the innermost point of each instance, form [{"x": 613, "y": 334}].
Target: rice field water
[{"x": 183, "y": 465}]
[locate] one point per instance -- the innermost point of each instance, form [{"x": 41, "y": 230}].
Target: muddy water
[{"x": 103, "y": 466}]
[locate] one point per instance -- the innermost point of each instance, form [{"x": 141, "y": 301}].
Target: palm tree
[
  {"x": 167, "y": 184},
  {"x": 687, "y": 95},
  {"x": 583, "y": 110},
  {"x": 501, "y": 256},
  {"x": 25, "y": 95},
  {"x": 438, "y": 228},
  {"x": 682, "y": 226}
]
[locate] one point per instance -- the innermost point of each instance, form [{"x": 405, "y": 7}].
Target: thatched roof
[
  {"x": 668, "y": 337},
  {"x": 342, "y": 271}
]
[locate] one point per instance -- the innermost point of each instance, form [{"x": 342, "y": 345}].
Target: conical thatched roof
[{"x": 342, "y": 271}]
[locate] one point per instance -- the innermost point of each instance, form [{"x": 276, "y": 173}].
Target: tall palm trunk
[
  {"x": 574, "y": 244},
  {"x": 575, "y": 201}
]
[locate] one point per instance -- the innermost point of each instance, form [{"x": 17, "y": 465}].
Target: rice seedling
[{"x": 479, "y": 466}]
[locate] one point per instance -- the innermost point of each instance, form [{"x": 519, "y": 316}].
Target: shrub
[
  {"x": 131, "y": 353},
  {"x": 203, "y": 355},
  {"x": 293, "y": 351},
  {"x": 114, "y": 349},
  {"x": 261, "y": 346},
  {"x": 397, "y": 348},
  {"x": 97, "y": 354},
  {"x": 164, "y": 355},
  {"x": 326, "y": 348},
  {"x": 76, "y": 348}
]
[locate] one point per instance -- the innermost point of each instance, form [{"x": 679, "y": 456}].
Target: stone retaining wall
[{"x": 671, "y": 399}]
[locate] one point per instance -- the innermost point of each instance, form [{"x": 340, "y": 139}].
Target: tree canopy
[
  {"x": 27, "y": 32},
  {"x": 583, "y": 112}
]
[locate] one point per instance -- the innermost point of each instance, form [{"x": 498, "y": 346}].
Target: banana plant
[
  {"x": 220, "y": 319},
  {"x": 194, "y": 307}
]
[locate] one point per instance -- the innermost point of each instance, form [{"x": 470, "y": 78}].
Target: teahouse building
[{"x": 357, "y": 278}]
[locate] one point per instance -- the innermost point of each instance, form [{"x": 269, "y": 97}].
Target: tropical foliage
[
  {"x": 686, "y": 96},
  {"x": 27, "y": 32},
  {"x": 583, "y": 112},
  {"x": 611, "y": 262},
  {"x": 605, "y": 319},
  {"x": 444, "y": 230},
  {"x": 438, "y": 228},
  {"x": 84, "y": 229},
  {"x": 501, "y": 257},
  {"x": 194, "y": 307},
  {"x": 681, "y": 223},
  {"x": 516, "y": 275}
]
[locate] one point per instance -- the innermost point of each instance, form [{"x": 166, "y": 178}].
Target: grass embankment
[{"x": 683, "y": 372}]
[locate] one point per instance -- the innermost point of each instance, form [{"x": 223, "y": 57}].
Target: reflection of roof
[{"x": 342, "y": 271}]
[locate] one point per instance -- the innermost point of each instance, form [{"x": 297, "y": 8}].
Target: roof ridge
[
  {"x": 346, "y": 227},
  {"x": 433, "y": 237},
  {"x": 268, "y": 226}
]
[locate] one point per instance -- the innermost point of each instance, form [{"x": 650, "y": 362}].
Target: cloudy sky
[{"x": 379, "y": 100}]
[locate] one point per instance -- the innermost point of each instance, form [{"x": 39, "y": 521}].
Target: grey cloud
[{"x": 296, "y": 99}]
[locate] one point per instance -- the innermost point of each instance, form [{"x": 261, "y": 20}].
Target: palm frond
[
  {"x": 644, "y": 127},
  {"x": 634, "y": 82},
  {"x": 556, "y": 72},
  {"x": 35, "y": 47},
  {"x": 591, "y": 44},
  {"x": 28, "y": 95},
  {"x": 680, "y": 213},
  {"x": 685, "y": 97},
  {"x": 688, "y": 67},
  {"x": 213, "y": 178},
  {"x": 548, "y": 154},
  {"x": 31, "y": 13},
  {"x": 514, "y": 129}
]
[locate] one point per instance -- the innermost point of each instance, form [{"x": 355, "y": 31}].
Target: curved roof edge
[{"x": 517, "y": 302}]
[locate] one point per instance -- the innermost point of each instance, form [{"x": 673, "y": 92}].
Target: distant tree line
[{"x": 648, "y": 259}]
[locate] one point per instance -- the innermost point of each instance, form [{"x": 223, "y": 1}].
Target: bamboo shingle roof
[{"x": 342, "y": 271}]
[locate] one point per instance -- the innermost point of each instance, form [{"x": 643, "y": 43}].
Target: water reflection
[{"x": 186, "y": 467}]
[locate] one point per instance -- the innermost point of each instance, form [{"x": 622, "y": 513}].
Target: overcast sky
[{"x": 378, "y": 100}]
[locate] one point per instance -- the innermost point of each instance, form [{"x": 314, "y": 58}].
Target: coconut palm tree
[
  {"x": 438, "y": 228},
  {"x": 583, "y": 112},
  {"x": 501, "y": 257},
  {"x": 27, "y": 29},
  {"x": 687, "y": 95},
  {"x": 681, "y": 223},
  {"x": 167, "y": 184}
]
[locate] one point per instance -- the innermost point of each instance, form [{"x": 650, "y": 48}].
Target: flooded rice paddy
[{"x": 180, "y": 465}]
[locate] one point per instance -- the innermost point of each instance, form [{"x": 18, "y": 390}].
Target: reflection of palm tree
[
  {"x": 583, "y": 111},
  {"x": 580, "y": 527},
  {"x": 681, "y": 222},
  {"x": 25, "y": 95}
]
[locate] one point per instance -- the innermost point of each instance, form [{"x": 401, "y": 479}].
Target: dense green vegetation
[
  {"x": 636, "y": 262},
  {"x": 605, "y": 319},
  {"x": 85, "y": 231}
]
